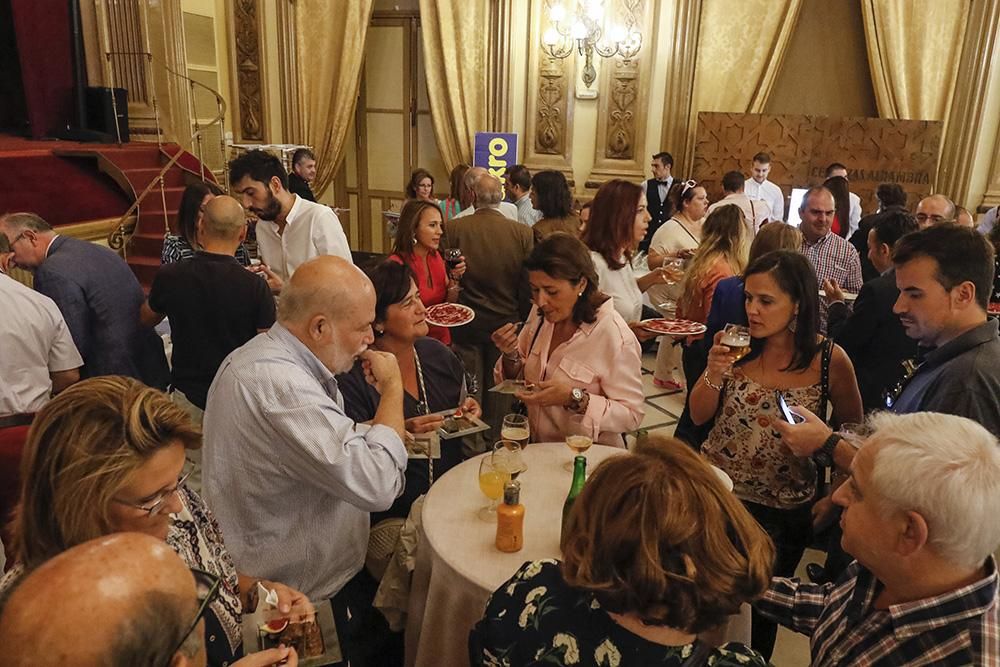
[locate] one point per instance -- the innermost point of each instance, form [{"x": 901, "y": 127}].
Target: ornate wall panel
[
  {"x": 875, "y": 151},
  {"x": 547, "y": 143},
  {"x": 247, "y": 16},
  {"x": 624, "y": 98}
]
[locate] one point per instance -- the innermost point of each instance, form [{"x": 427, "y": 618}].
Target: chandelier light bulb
[
  {"x": 558, "y": 13},
  {"x": 550, "y": 37},
  {"x": 618, "y": 34},
  {"x": 579, "y": 30}
]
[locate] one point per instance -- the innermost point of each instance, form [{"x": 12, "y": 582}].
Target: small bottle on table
[{"x": 510, "y": 519}]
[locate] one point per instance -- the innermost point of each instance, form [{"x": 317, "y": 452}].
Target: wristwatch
[
  {"x": 576, "y": 396},
  {"x": 824, "y": 455}
]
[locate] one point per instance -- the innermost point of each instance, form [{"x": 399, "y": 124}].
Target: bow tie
[{"x": 666, "y": 182}]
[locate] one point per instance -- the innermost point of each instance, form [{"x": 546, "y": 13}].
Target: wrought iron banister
[{"x": 118, "y": 236}]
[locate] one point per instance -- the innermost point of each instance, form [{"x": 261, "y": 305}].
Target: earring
[
  {"x": 791, "y": 324},
  {"x": 414, "y": 240},
  {"x": 580, "y": 294}
]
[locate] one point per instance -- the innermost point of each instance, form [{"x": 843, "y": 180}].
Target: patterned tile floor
[{"x": 662, "y": 410}]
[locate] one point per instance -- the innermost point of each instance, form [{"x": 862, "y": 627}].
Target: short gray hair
[
  {"x": 31, "y": 221},
  {"x": 488, "y": 191},
  {"x": 947, "y": 469}
]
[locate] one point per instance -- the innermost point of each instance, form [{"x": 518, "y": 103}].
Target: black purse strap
[{"x": 824, "y": 377}]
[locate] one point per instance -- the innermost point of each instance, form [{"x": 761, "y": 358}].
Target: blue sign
[{"x": 495, "y": 151}]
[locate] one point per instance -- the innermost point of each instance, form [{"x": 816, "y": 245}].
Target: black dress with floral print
[{"x": 535, "y": 618}]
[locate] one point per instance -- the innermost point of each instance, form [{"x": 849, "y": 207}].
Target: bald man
[
  {"x": 473, "y": 200},
  {"x": 213, "y": 303},
  {"x": 934, "y": 210},
  {"x": 143, "y": 594},
  {"x": 290, "y": 477}
]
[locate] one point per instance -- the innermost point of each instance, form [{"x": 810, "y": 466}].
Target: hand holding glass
[{"x": 737, "y": 338}]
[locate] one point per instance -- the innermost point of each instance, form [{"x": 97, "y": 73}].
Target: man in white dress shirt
[
  {"x": 518, "y": 184},
  {"x": 837, "y": 169},
  {"x": 290, "y": 477},
  {"x": 657, "y": 190},
  {"x": 469, "y": 205},
  {"x": 290, "y": 230},
  {"x": 755, "y": 211},
  {"x": 761, "y": 189}
]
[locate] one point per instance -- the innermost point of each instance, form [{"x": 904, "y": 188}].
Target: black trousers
[
  {"x": 365, "y": 637},
  {"x": 790, "y": 530},
  {"x": 694, "y": 359}
]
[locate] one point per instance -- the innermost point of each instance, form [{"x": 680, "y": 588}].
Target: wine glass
[
  {"x": 579, "y": 444},
  {"x": 673, "y": 270},
  {"x": 737, "y": 338},
  {"x": 508, "y": 454},
  {"x": 492, "y": 477},
  {"x": 515, "y": 427},
  {"x": 668, "y": 309},
  {"x": 452, "y": 258}
]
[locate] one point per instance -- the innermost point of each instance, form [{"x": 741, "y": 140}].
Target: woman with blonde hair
[
  {"x": 636, "y": 584},
  {"x": 106, "y": 456}
]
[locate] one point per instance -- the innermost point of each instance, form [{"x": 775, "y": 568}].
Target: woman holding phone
[{"x": 789, "y": 357}]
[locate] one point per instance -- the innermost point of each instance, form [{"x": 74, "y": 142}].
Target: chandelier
[{"x": 584, "y": 27}]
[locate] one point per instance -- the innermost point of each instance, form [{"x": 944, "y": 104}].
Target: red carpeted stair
[{"x": 133, "y": 167}]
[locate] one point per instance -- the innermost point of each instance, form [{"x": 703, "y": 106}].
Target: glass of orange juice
[{"x": 492, "y": 477}]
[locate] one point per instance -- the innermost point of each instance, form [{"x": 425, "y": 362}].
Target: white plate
[
  {"x": 848, "y": 296},
  {"x": 469, "y": 314}
]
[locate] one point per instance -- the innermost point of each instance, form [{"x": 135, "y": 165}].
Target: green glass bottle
[{"x": 579, "y": 477}]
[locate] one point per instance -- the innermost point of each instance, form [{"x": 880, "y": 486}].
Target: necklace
[{"x": 424, "y": 407}]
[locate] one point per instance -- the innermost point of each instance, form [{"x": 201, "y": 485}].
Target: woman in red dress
[{"x": 417, "y": 244}]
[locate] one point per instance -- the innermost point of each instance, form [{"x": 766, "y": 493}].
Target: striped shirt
[
  {"x": 844, "y": 628},
  {"x": 833, "y": 258},
  {"x": 290, "y": 477}
]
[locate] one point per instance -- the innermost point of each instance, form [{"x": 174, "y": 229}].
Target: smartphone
[{"x": 790, "y": 416}]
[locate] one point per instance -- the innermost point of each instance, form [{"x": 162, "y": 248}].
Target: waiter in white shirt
[
  {"x": 837, "y": 169},
  {"x": 760, "y": 189},
  {"x": 290, "y": 230}
]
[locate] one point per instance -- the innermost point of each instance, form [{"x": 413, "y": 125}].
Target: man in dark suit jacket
[
  {"x": 872, "y": 334},
  {"x": 657, "y": 202},
  {"x": 98, "y": 296},
  {"x": 494, "y": 285}
]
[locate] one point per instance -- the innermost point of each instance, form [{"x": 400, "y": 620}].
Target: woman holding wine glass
[
  {"x": 675, "y": 241},
  {"x": 433, "y": 379},
  {"x": 418, "y": 246},
  {"x": 575, "y": 350},
  {"x": 787, "y": 357},
  {"x": 618, "y": 222}
]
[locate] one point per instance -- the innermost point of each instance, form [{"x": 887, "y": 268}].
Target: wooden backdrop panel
[{"x": 875, "y": 150}]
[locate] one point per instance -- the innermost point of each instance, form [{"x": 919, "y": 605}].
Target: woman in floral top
[
  {"x": 636, "y": 584},
  {"x": 787, "y": 356}
]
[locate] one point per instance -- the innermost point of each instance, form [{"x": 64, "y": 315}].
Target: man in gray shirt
[{"x": 290, "y": 477}]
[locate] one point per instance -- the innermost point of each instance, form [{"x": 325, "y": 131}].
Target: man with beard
[
  {"x": 290, "y": 229},
  {"x": 290, "y": 477}
]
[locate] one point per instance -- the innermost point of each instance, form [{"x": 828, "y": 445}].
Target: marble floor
[{"x": 662, "y": 410}]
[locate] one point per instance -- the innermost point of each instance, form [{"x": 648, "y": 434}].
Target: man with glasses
[
  {"x": 935, "y": 210},
  {"x": 124, "y": 599},
  {"x": 97, "y": 294}
]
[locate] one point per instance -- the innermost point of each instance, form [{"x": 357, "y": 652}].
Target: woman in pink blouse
[
  {"x": 575, "y": 349},
  {"x": 418, "y": 241}
]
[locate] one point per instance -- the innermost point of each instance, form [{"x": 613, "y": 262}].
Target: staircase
[{"x": 134, "y": 167}]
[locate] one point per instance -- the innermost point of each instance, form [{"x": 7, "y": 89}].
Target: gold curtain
[
  {"x": 456, "y": 61},
  {"x": 741, "y": 45},
  {"x": 913, "y": 49},
  {"x": 329, "y": 50}
]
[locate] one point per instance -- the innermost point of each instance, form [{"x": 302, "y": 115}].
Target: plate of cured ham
[
  {"x": 993, "y": 308},
  {"x": 674, "y": 327},
  {"x": 449, "y": 315}
]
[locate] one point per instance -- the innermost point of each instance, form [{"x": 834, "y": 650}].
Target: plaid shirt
[
  {"x": 833, "y": 258},
  {"x": 956, "y": 628}
]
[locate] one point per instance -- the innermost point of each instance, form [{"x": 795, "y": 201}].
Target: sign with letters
[{"x": 495, "y": 151}]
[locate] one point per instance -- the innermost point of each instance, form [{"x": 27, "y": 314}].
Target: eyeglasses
[
  {"x": 18, "y": 238},
  {"x": 934, "y": 219},
  {"x": 688, "y": 185},
  {"x": 207, "y": 589},
  {"x": 156, "y": 505}
]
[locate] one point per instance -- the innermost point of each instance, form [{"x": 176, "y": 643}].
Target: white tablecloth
[{"x": 458, "y": 566}]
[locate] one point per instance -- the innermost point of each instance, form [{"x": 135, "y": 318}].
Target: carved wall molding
[
  {"x": 549, "y": 115},
  {"x": 966, "y": 114},
  {"x": 624, "y": 99},
  {"x": 248, "y": 62}
]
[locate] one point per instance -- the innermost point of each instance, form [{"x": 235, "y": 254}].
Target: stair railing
[{"x": 118, "y": 237}]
